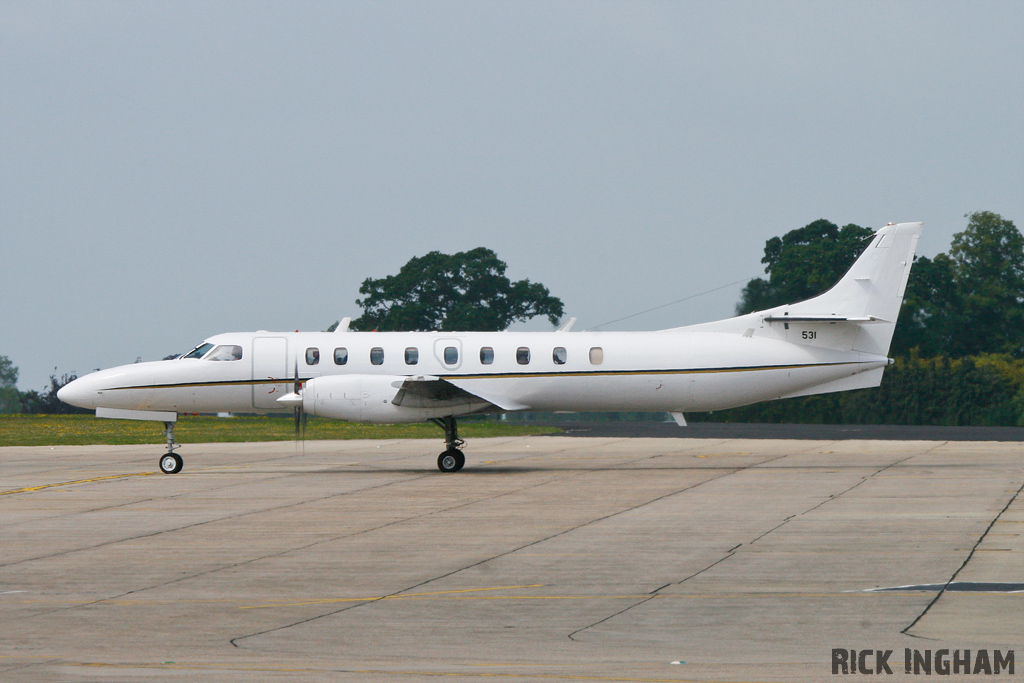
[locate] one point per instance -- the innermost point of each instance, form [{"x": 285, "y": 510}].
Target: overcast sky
[{"x": 172, "y": 170}]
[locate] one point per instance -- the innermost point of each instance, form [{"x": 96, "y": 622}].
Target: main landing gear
[
  {"x": 452, "y": 459},
  {"x": 171, "y": 462}
]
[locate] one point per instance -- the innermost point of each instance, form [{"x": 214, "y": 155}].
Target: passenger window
[
  {"x": 486, "y": 355},
  {"x": 377, "y": 355},
  {"x": 596, "y": 355},
  {"x": 523, "y": 355},
  {"x": 226, "y": 352},
  {"x": 412, "y": 356},
  {"x": 312, "y": 356},
  {"x": 451, "y": 355},
  {"x": 340, "y": 356},
  {"x": 558, "y": 355}
]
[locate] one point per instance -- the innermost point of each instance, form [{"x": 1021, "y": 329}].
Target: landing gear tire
[
  {"x": 451, "y": 460},
  {"x": 171, "y": 463}
]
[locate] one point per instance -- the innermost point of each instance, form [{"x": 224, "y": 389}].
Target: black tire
[
  {"x": 451, "y": 460},
  {"x": 171, "y": 463}
]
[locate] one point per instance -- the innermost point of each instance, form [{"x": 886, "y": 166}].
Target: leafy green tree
[
  {"x": 989, "y": 259},
  {"x": 466, "y": 291},
  {"x": 803, "y": 263},
  {"x": 10, "y": 398},
  {"x": 970, "y": 301},
  {"x": 932, "y": 312},
  {"x": 8, "y": 372},
  {"x": 46, "y": 401}
]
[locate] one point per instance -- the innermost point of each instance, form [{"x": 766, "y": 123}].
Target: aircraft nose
[{"x": 78, "y": 393}]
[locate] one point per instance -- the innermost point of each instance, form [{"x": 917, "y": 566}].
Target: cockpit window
[
  {"x": 199, "y": 351},
  {"x": 226, "y": 352}
]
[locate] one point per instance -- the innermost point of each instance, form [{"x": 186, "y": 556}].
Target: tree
[
  {"x": 10, "y": 399},
  {"x": 467, "y": 291},
  {"x": 989, "y": 273},
  {"x": 931, "y": 311},
  {"x": 46, "y": 401},
  {"x": 970, "y": 301},
  {"x": 803, "y": 263},
  {"x": 8, "y": 372}
]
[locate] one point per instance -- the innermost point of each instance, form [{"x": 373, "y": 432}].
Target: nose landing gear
[
  {"x": 452, "y": 460},
  {"x": 171, "y": 462}
]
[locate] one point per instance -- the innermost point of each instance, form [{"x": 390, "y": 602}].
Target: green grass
[{"x": 82, "y": 430}]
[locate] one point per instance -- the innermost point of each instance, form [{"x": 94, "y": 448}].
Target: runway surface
[
  {"x": 546, "y": 559},
  {"x": 815, "y": 432}
]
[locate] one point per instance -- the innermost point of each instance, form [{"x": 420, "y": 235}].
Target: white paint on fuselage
[{"x": 645, "y": 371}]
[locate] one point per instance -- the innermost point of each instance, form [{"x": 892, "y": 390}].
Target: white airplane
[{"x": 833, "y": 342}]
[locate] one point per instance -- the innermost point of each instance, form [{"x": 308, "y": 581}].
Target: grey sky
[{"x": 169, "y": 171}]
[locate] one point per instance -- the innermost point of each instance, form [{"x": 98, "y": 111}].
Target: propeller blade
[{"x": 296, "y": 388}]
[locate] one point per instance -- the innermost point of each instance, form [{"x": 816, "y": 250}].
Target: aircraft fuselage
[{"x": 543, "y": 371}]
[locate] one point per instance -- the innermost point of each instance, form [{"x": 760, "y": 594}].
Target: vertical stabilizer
[
  {"x": 872, "y": 290},
  {"x": 858, "y": 314}
]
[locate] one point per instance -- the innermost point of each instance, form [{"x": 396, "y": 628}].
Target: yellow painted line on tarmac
[
  {"x": 29, "y": 489},
  {"x": 404, "y": 596},
  {"x": 380, "y": 672}
]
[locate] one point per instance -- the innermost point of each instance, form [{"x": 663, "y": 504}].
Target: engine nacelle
[{"x": 364, "y": 398}]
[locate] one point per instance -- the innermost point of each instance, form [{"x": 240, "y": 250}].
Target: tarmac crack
[
  {"x": 235, "y": 641},
  {"x": 192, "y": 526},
  {"x": 270, "y": 555},
  {"x": 735, "y": 549},
  {"x": 970, "y": 555}
]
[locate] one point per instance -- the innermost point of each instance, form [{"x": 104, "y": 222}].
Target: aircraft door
[{"x": 269, "y": 362}]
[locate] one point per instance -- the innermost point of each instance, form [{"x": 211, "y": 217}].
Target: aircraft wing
[{"x": 427, "y": 391}]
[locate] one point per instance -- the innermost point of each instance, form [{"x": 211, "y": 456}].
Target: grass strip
[{"x": 83, "y": 430}]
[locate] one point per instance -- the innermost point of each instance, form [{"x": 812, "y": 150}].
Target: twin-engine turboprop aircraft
[{"x": 833, "y": 342}]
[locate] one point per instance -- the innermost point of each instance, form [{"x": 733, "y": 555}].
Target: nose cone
[{"x": 79, "y": 393}]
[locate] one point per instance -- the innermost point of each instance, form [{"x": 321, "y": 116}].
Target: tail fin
[
  {"x": 875, "y": 283},
  {"x": 871, "y": 292},
  {"x": 860, "y": 310}
]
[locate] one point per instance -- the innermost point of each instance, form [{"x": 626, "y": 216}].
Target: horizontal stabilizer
[{"x": 822, "y": 319}]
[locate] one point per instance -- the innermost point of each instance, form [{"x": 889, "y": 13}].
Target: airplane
[{"x": 837, "y": 341}]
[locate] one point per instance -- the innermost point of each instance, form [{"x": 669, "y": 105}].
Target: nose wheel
[
  {"x": 452, "y": 459},
  {"x": 170, "y": 462}
]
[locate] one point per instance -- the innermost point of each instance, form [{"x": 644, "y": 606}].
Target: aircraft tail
[
  {"x": 871, "y": 292},
  {"x": 858, "y": 313}
]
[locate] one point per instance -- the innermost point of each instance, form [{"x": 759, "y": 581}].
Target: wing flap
[{"x": 427, "y": 391}]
